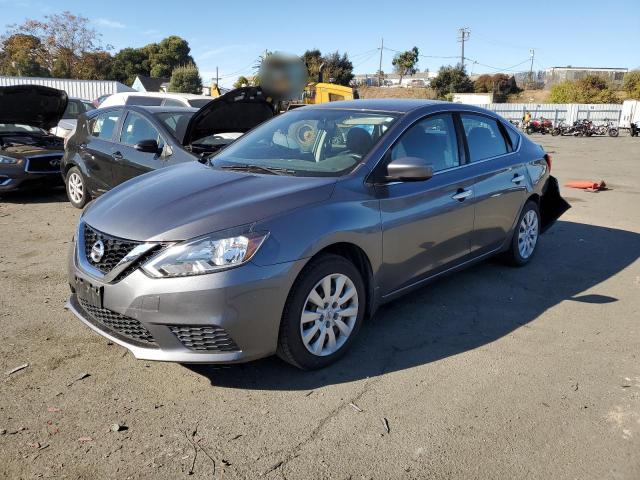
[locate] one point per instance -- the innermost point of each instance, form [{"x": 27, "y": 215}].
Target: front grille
[
  {"x": 199, "y": 338},
  {"x": 43, "y": 164},
  {"x": 127, "y": 327},
  {"x": 115, "y": 249}
]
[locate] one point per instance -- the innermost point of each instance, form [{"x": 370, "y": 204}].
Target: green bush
[
  {"x": 631, "y": 84},
  {"x": 186, "y": 79},
  {"x": 591, "y": 89}
]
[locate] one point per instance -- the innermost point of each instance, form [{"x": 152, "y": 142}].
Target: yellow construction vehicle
[{"x": 321, "y": 92}]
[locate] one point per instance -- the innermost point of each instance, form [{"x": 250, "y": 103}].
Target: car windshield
[
  {"x": 199, "y": 102},
  {"x": 176, "y": 122},
  {"x": 18, "y": 128},
  {"x": 308, "y": 142}
]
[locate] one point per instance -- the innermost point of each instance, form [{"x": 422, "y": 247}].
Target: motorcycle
[
  {"x": 635, "y": 129},
  {"x": 562, "y": 129},
  {"x": 542, "y": 126},
  {"x": 606, "y": 128}
]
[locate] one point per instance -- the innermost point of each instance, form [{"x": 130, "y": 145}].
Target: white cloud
[{"x": 105, "y": 22}]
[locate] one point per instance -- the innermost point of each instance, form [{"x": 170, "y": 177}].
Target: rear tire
[
  {"x": 525, "y": 236},
  {"x": 317, "y": 325},
  {"x": 76, "y": 186},
  {"x": 613, "y": 132},
  {"x": 555, "y": 132}
]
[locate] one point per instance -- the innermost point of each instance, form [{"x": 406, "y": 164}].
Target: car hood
[
  {"x": 32, "y": 105},
  {"x": 192, "y": 199},
  {"x": 236, "y": 111}
]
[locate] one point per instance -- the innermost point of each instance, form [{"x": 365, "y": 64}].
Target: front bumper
[
  {"x": 14, "y": 180},
  {"x": 245, "y": 302}
]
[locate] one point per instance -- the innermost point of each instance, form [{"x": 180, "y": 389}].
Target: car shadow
[
  {"x": 44, "y": 194},
  {"x": 461, "y": 312}
]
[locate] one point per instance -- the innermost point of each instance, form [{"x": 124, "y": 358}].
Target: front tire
[
  {"x": 525, "y": 237},
  {"x": 76, "y": 186},
  {"x": 323, "y": 313},
  {"x": 613, "y": 132}
]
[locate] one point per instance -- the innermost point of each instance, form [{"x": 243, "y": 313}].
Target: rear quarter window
[{"x": 513, "y": 135}]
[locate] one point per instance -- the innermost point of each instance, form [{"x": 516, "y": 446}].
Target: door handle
[
  {"x": 117, "y": 155},
  {"x": 462, "y": 195},
  {"x": 517, "y": 178}
]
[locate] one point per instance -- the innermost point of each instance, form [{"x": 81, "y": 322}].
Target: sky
[{"x": 231, "y": 35}]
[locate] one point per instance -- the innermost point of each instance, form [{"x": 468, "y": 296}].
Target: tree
[
  {"x": 64, "y": 37},
  {"x": 591, "y": 89},
  {"x": 499, "y": 84},
  {"x": 22, "y": 55},
  {"x": 128, "y": 63},
  {"x": 186, "y": 79},
  {"x": 338, "y": 68},
  {"x": 95, "y": 66},
  {"x": 405, "y": 63},
  {"x": 165, "y": 56},
  {"x": 631, "y": 83},
  {"x": 242, "y": 81},
  {"x": 451, "y": 80},
  {"x": 483, "y": 84},
  {"x": 313, "y": 59}
]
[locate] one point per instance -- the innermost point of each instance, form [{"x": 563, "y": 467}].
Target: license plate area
[{"x": 88, "y": 292}]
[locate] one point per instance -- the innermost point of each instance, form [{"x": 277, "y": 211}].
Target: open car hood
[
  {"x": 237, "y": 111},
  {"x": 32, "y": 105}
]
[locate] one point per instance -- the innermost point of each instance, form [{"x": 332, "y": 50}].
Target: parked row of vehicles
[
  {"x": 235, "y": 246},
  {"x": 586, "y": 128}
]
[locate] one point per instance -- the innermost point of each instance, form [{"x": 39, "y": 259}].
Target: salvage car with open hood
[
  {"x": 112, "y": 145},
  {"x": 29, "y": 154}
]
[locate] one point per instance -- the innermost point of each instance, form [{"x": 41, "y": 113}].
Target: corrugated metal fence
[
  {"x": 86, "y": 89},
  {"x": 557, "y": 112}
]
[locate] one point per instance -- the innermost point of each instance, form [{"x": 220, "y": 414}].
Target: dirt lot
[{"x": 490, "y": 373}]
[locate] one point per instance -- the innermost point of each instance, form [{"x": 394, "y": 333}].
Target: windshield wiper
[{"x": 258, "y": 169}]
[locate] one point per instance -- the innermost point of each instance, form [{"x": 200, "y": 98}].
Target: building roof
[
  {"x": 590, "y": 68},
  {"x": 152, "y": 84}
]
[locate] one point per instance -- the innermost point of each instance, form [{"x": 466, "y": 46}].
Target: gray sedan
[{"x": 286, "y": 240}]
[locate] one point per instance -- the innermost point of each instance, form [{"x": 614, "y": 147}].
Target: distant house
[
  {"x": 556, "y": 75},
  {"x": 143, "y": 83}
]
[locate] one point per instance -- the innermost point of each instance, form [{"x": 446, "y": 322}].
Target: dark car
[
  {"x": 114, "y": 144},
  {"x": 29, "y": 154},
  {"x": 294, "y": 233}
]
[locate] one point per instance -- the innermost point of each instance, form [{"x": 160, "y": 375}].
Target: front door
[
  {"x": 426, "y": 225},
  {"x": 129, "y": 162}
]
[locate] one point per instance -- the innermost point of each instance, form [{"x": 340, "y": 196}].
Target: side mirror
[
  {"x": 408, "y": 169},
  {"x": 147, "y": 146}
]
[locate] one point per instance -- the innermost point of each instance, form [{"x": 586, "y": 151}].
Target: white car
[
  {"x": 156, "y": 99},
  {"x": 67, "y": 123}
]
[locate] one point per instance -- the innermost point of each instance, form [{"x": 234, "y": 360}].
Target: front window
[
  {"x": 136, "y": 129},
  {"x": 176, "y": 122},
  {"x": 308, "y": 142}
]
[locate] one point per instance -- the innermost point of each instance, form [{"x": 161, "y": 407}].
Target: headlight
[
  {"x": 8, "y": 160},
  {"x": 206, "y": 254}
]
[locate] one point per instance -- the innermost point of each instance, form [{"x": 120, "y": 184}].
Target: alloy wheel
[
  {"x": 329, "y": 314},
  {"x": 75, "y": 187},
  {"x": 528, "y": 234}
]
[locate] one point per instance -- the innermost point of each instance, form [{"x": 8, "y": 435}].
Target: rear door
[
  {"x": 98, "y": 149},
  {"x": 130, "y": 162},
  {"x": 500, "y": 184},
  {"x": 427, "y": 225}
]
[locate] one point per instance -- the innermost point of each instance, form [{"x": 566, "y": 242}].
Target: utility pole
[
  {"x": 532, "y": 52},
  {"x": 380, "y": 65},
  {"x": 463, "y": 35},
  {"x": 217, "y": 77}
]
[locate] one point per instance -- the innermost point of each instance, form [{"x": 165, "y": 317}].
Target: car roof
[
  {"x": 187, "y": 96},
  {"x": 160, "y": 109},
  {"x": 398, "y": 105}
]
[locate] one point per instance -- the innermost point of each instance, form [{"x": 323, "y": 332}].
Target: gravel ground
[{"x": 490, "y": 373}]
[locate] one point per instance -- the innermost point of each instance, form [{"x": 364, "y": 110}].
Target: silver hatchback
[{"x": 288, "y": 238}]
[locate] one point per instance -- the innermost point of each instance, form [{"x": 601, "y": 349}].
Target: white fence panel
[
  {"x": 557, "y": 112},
  {"x": 86, "y": 89}
]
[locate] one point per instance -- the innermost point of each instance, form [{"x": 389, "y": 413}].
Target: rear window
[
  {"x": 199, "y": 102},
  {"x": 145, "y": 101},
  {"x": 484, "y": 137}
]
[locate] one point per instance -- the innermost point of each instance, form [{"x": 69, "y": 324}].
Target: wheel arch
[{"x": 358, "y": 257}]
